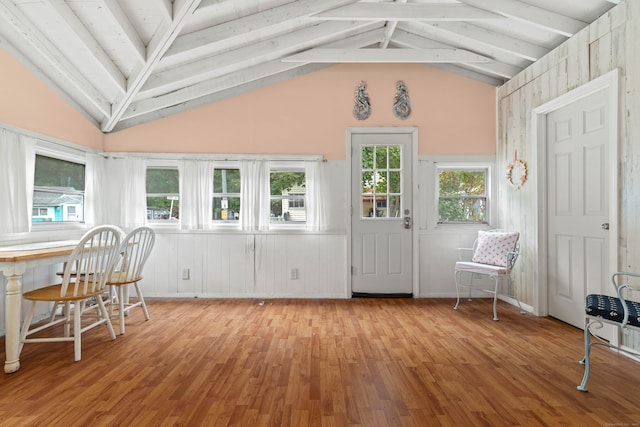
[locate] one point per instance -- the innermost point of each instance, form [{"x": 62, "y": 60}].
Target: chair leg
[
  {"x": 495, "y": 298},
  {"x": 457, "y": 277},
  {"x": 26, "y": 324},
  {"x": 121, "y": 304},
  {"x": 141, "y": 299},
  {"x": 586, "y": 360},
  {"x": 515, "y": 294},
  {"x": 54, "y": 310},
  {"x": 67, "y": 316},
  {"x": 77, "y": 331},
  {"x": 107, "y": 320}
]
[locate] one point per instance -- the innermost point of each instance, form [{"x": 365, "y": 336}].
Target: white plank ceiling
[{"x": 127, "y": 62}]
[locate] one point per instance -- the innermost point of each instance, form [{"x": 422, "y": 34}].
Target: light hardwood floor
[{"x": 359, "y": 362}]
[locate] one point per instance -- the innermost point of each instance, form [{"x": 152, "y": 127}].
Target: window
[
  {"x": 296, "y": 200},
  {"x": 462, "y": 195},
  {"x": 226, "y": 194},
  {"x": 287, "y": 194},
  {"x": 381, "y": 183},
  {"x": 58, "y": 194},
  {"x": 163, "y": 187}
]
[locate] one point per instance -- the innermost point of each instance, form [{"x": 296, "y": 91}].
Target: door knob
[
  {"x": 605, "y": 226},
  {"x": 407, "y": 222}
]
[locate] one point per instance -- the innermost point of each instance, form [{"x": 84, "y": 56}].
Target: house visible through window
[
  {"x": 226, "y": 194},
  {"x": 58, "y": 194},
  {"x": 462, "y": 195},
  {"x": 287, "y": 189},
  {"x": 163, "y": 187}
]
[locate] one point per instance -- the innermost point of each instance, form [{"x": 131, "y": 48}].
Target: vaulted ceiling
[{"x": 127, "y": 62}]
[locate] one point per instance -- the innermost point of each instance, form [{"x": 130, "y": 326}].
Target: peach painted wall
[
  {"x": 28, "y": 103},
  {"x": 309, "y": 115}
]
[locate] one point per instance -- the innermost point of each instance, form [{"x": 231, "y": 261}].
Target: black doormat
[{"x": 370, "y": 295}]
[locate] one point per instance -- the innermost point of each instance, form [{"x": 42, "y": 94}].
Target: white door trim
[
  {"x": 414, "y": 197},
  {"x": 538, "y": 147}
]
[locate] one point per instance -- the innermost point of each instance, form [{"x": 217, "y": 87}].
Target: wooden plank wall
[{"x": 613, "y": 41}]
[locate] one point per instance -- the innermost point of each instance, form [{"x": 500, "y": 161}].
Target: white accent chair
[
  {"x": 494, "y": 254},
  {"x": 135, "y": 250},
  {"x": 83, "y": 280},
  {"x": 621, "y": 311}
]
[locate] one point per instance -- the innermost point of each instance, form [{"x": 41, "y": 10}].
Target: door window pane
[{"x": 382, "y": 184}]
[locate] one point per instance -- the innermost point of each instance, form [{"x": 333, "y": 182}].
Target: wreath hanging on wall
[{"x": 521, "y": 168}]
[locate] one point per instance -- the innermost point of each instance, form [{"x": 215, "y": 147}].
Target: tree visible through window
[
  {"x": 462, "y": 195},
  {"x": 287, "y": 194},
  {"x": 163, "y": 189},
  {"x": 226, "y": 194}
]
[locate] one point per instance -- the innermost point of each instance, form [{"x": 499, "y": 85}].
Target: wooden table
[{"x": 14, "y": 260}]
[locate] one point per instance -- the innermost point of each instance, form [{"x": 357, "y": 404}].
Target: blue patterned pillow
[{"x": 610, "y": 308}]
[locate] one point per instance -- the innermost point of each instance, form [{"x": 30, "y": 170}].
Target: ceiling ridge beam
[
  {"x": 182, "y": 9},
  {"x": 424, "y": 56},
  {"x": 533, "y": 15},
  {"x": 407, "y": 12},
  {"x": 46, "y": 50},
  {"x": 233, "y": 60},
  {"x": 199, "y": 40},
  {"x": 390, "y": 28}
]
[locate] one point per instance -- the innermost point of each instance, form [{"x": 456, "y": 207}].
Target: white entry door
[
  {"x": 578, "y": 186},
  {"x": 381, "y": 220}
]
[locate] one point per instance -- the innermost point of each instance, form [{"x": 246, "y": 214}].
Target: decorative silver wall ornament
[
  {"x": 361, "y": 106},
  {"x": 401, "y": 107}
]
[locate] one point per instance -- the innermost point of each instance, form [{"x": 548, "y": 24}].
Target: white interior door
[
  {"x": 578, "y": 210},
  {"x": 381, "y": 220}
]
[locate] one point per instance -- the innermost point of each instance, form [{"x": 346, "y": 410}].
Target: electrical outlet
[
  {"x": 185, "y": 274},
  {"x": 293, "y": 274}
]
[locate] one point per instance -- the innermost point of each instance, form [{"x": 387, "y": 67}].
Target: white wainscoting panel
[{"x": 230, "y": 265}]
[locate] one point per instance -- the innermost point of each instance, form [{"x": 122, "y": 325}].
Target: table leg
[{"x": 13, "y": 305}]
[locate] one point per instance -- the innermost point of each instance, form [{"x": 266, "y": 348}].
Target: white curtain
[
  {"x": 94, "y": 200},
  {"x": 254, "y": 195},
  {"x": 126, "y": 184},
  {"x": 196, "y": 188},
  {"x": 17, "y": 169},
  {"x": 316, "y": 195}
]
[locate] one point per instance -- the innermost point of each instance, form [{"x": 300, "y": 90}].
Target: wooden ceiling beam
[
  {"x": 93, "y": 49},
  {"x": 407, "y": 12},
  {"x": 28, "y": 38},
  {"x": 207, "y": 40},
  {"x": 182, "y": 9},
  {"x": 533, "y": 15},
  {"x": 492, "y": 68},
  {"x": 424, "y": 56},
  {"x": 477, "y": 38},
  {"x": 462, "y": 41},
  {"x": 240, "y": 78},
  {"x": 128, "y": 29},
  {"x": 234, "y": 60}
]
